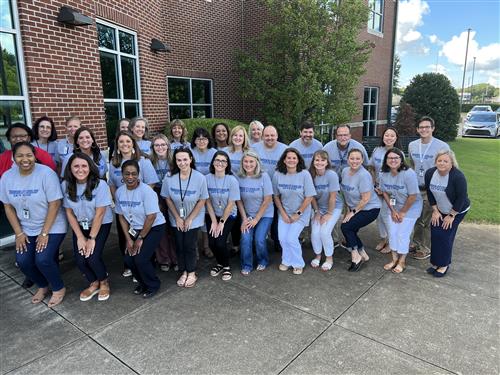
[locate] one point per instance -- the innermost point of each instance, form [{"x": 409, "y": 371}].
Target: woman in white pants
[
  {"x": 327, "y": 207},
  {"x": 402, "y": 205}
]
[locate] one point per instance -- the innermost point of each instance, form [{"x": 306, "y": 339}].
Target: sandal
[
  {"x": 190, "y": 280},
  {"x": 385, "y": 250},
  {"x": 91, "y": 291},
  {"x": 245, "y": 272},
  {"x": 215, "y": 271},
  {"x": 326, "y": 266},
  {"x": 382, "y": 244},
  {"x": 283, "y": 267},
  {"x": 390, "y": 266},
  {"x": 103, "y": 291},
  {"x": 40, "y": 295},
  {"x": 226, "y": 274},
  {"x": 57, "y": 297},
  {"x": 315, "y": 263},
  {"x": 399, "y": 268},
  {"x": 182, "y": 279},
  {"x": 297, "y": 271}
]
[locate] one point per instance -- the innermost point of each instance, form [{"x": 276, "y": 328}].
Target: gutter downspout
[{"x": 393, "y": 53}]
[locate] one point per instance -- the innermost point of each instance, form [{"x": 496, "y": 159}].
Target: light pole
[
  {"x": 472, "y": 83},
  {"x": 465, "y": 67}
]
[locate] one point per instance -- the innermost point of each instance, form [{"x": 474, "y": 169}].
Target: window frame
[
  {"x": 24, "y": 98},
  {"x": 367, "y": 131},
  {"x": 121, "y": 100},
  {"x": 191, "y": 105},
  {"x": 371, "y": 18}
]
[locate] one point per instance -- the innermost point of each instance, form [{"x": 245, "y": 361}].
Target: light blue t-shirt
[
  {"x": 438, "y": 186},
  {"x": 147, "y": 173},
  {"x": 136, "y": 204},
  {"x": 192, "y": 191},
  {"x": 423, "y": 156},
  {"x": 307, "y": 152},
  {"x": 376, "y": 161},
  {"x": 102, "y": 166},
  {"x": 293, "y": 189},
  {"x": 399, "y": 187},
  {"x": 174, "y": 145},
  {"x": 221, "y": 190},
  {"x": 162, "y": 168},
  {"x": 253, "y": 190},
  {"x": 325, "y": 185},
  {"x": 235, "y": 158},
  {"x": 144, "y": 146},
  {"x": 63, "y": 148},
  {"x": 269, "y": 158},
  {"x": 84, "y": 209},
  {"x": 338, "y": 158},
  {"x": 50, "y": 147},
  {"x": 30, "y": 196},
  {"x": 202, "y": 159},
  {"x": 353, "y": 186}
]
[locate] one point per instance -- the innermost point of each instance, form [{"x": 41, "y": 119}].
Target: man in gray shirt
[
  {"x": 307, "y": 145},
  {"x": 422, "y": 153}
]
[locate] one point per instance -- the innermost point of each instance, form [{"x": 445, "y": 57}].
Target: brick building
[{"x": 107, "y": 70}]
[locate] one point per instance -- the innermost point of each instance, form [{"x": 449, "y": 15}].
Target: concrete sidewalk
[{"x": 370, "y": 322}]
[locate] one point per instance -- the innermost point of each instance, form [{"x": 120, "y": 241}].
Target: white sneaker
[
  {"x": 127, "y": 273},
  {"x": 165, "y": 267}
]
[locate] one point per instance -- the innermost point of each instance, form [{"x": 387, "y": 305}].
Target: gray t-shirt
[
  {"x": 175, "y": 145},
  {"x": 192, "y": 191},
  {"x": 307, "y": 152},
  {"x": 202, "y": 159},
  {"x": 84, "y": 209},
  {"x": 147, "y": 173},
  {"x": 376, "y": 161},
  {"x": 221, "y": 190},
  {"x": 423, "y": 156},
  {"x": 269, "y": 157},
  {"x": 135, "y": 204},
  {"x": 437, "y": 186},
  {"x": 235, "y": 158},
  {"x": 353, "y": 186},
  {"x": 338, "y": 157},
  {"x": 252, "y": 193},
  {"x": 30, "y": 196},
  {"x": 325, "y": 185},
  {"x": 50, "y": 147},
  {"x": 162, "y": 168},
  {"x": 293, "y": 189},
  {"x": 399, "y": 187},
  {"x": 102, "y": 166},
  {"x": 145, "y": 146},
  {"x": 63, "y": 148}
]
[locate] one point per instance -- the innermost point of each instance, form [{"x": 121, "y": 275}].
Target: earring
[
  {"x": 133, "y": 151},
  {"x": 118, "y": 152}
]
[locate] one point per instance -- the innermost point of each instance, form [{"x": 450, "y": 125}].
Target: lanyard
[
  {"x": 220, "y": 191},
  {"x": 425, "y": 152},
  {"x": 130, "y": 201},
  {"x": 180, "y": 186},
  {"x": 341, "y": 156}
]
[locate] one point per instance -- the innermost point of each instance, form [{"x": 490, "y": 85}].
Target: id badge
[
  {"x": 132, "y": 232},
  {"x": 65, "y": 150},
  {"x": 421, "y": 172},
  {"x": 26, "y": 213},
  {"x": 85, "y": 224},
  {"x": 182, "y": 212},
  {"x": 392, "y": 201}
]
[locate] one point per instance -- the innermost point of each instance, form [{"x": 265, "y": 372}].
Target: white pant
[
  {"x": 399, "y": 234},
  {"x": 288, "y": 235},
  {"x": 321, "y": 235},
  {"x": 382, "y": 221}
]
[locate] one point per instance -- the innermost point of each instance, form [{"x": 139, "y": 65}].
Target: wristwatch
[
  {"x": 354, "y": 211},
  {"x": 139, "y": 237},
  {"x": 91, "y": 237},
  {"x": 222, "y": 221},
  {"x": 299, "y": 213},
  {"x": 44, "y": 234},
  {"x": 452, "y": 215}
]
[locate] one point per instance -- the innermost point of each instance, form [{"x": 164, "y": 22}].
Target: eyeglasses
[
  {"x": 19, "y": 136},
  {"x": 218, "y": 161},
  {"x": 131, "y": 174},
  {"x": 202, "y": 139},
  {"x": 160, "y": 145}
]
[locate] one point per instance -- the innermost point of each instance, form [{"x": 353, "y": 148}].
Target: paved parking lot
[{"x": 371, "y": 322}]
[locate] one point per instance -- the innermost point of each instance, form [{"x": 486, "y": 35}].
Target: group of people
[{"x": 224, "y": 184}]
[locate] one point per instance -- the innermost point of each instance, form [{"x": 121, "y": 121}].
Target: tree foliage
[
  {"x": 306, "y": 62},
  {"x": 480, "y": 91},
  {"x": 405, "y": 120},
  {"x": 395, "y": 76},
  {"x": 431, "y": 94}
]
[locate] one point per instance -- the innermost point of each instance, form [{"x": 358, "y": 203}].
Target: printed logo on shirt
[
  {"x": 244, "y": 189},
  {"x": 347, "y": 187},
  {"x": 416, "y": 156},
  {"x": 393, "y": 187},
  {"x": 218, "y": 190},
  {"x": 23, "y": 193},
  {"x": 335, "y": 162},
  {"x": 178, "y": 192},
  {"x": 290, "y": 187},
  {"x": 117, "y": 172},
  {"x": 307, "y": 156},
  {"x": 437, "y": 187},
  {"x": 269, "y": 162},
  {"x": 130, "y": 204}
]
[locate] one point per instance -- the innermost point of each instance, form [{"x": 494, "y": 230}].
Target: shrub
[{"x": 431, "y": 94}]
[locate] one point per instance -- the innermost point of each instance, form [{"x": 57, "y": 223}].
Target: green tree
[
  {"x": 306, "y": 62},
  {"x": 395, "y": 75},
  {"x": 431, "y": 94}
]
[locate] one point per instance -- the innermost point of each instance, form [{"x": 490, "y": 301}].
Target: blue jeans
[
  {"x": 352, "y": 227},
  {"x": 258, "y": 235},
  {"x": 42, "y": 268}
]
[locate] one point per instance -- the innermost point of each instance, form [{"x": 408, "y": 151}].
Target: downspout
[{"x": 393, "y": 53}]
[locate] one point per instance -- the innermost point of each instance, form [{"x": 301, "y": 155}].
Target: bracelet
[{"x": 20, "y": 234}]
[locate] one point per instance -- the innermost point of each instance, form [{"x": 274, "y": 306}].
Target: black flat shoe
[
  {"x": 149, "y": 293},
  {"x": 139, "y": 289},
  {"x": 27, "y": 283},
  {"x": 430, "y": 270},
  {"x": 440, "y": 274},
  {"x": 355, "y": 267}
]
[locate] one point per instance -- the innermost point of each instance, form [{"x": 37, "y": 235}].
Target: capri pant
[{"x": 400, "y": 233}]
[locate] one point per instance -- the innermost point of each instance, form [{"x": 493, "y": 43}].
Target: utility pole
[
  {"x": 472, "y": 83},
  {"x": 465, "y": 67}
]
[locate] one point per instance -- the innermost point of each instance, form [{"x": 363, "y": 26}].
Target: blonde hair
[
  {"x": 258, "y": 123},
  {"x": 180, "y": 123},
  {"x": 154, "y": 157},
  {"x": 450, "y": 153},
  {"x": 258, "y": 168},
  {"x": 245, "y": 145},
  {"x": 134, "y": 121}
]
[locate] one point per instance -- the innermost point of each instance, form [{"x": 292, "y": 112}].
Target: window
[
  {"x": 120, "y": 74},
  {"x": 13, "y": 87},
  {"x": 189, "y": 97},
  {"x": 376, "y": 16},
  {"x": 370, "y": 109}
]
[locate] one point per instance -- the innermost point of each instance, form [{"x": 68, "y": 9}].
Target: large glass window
[
  {"x": 370, "y": 109},
  {"x": 13, "y": 91},
  {"x": 119, "y": 73},
  {"x": 376, "y": 16},
  {"x": 189, "y": 97}
]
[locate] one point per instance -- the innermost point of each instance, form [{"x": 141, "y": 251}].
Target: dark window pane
[
  {"x": 131, "y": 110},
  {"x": 366, "y": 96},
  {"x": 112, "y": 111},
  {"x": 180, "y": 111},
  {"x": 109, "y": 76},
  {"x": 6, "y": 19},
  {"x": 178, "y": 90},
  {"x": 10, "y": 81},
  {"x": 365, "y": 129},
  {"x": 374, "y": 96},
  {"x": 373, "y": 112},
  {"x": 377, "y": 23},
  {"x": 126, "y": 42},
  {"x": 106, "y": 36},
  {"x": 365, "y": 112},
  {"x": 202, "y": 112},
  {"x": 11, "y": 111},
  {"x": 201, "y": 92},
  {"x": 128, "y": 78}
]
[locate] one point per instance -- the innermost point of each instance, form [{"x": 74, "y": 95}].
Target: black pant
[
  {"x": 122, "y": 241},
  {"x": 185, "y": 248},
  {"x": 219, "y": 245},
  {"x": 236, "y": 230},
  {"x": 358, "y": 221}
]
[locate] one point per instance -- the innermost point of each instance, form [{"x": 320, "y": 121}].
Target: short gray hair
[
  {"x": 258, "y": 168},
  {"x": 450, "y": 153}
]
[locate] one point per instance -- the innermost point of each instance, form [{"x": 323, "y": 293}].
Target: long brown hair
[{"x": 117, "y": 158}]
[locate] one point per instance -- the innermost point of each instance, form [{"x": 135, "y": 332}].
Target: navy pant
[
  {"x": 274, "y": 225},
  {"x": 442, "y": 242},
  {"x": 93, "y": 267},
  {"x": 185, "y": 248},
  {"x": 122, "y": 241},
  {"x": 219, "y": 245},
  {"x": 142, "y": 265},
  {"x": 42, "y": 268},
  {"x": 358, "y": 221}
]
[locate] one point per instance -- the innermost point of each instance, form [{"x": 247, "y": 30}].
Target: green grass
[{"x": 479, "y": 160}]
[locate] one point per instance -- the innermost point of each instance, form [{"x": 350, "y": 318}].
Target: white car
[{"x": 482, "y": 124}]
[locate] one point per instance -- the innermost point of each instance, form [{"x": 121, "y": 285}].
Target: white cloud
[
  {"x": 410, "y": 16},
  {"x": 487, "y": 57},
  {"x": 438, "y": 68},
  {"x": 494, "y": 78},
  {"x": 433, "y": 38}
]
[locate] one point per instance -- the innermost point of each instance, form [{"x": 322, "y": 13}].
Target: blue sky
[{"x": 432, "y": 37}]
